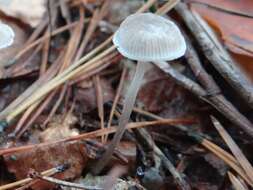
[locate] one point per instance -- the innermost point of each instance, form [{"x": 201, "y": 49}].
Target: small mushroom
[
  {"x": 144, "y": 37},
  {"x": 6, "y": 35}
]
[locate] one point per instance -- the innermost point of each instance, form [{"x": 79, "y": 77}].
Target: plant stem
[{"x": 124, "y": 118}]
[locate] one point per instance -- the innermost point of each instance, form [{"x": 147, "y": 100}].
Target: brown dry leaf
[
  {"x": 30, "y": 12},
  {"x": 242, "y": 7},
  {"x": 246, "y": 64},
  {"x": 160, "y": 94},
  {"x": 87, "y": 96},
  {"x": 47, "y": 157},
  {"x": 225, "y": 17},
  {"x": 59, "y": 128}
]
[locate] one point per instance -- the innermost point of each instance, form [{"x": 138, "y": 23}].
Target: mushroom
[
  {"x": 144, "y": 37},
  {"x": 6, "y": 35}
]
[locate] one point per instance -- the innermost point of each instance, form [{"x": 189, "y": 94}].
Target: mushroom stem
[{"x": 126, "y": 112}]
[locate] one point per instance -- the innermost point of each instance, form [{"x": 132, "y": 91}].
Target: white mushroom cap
[
  {"x": 6, "y": 35},
  {"x": 149, "y": 37}
]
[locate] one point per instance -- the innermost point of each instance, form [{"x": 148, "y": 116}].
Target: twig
[
  {"x": 181, "y": 79},
  {"x": 243, "y": 161},
  {"x": 18, "y": 134},
  {"x": 51, "y": 72},
  {"x": 167, "y": 7},
  {"x": 117, "y": 137},
  {"x": 219, "y": 152},
  {"x": 218, "y": 57},
  {"x": 43, "y": 79},
  {"x": 41, "y": 39},
  {"x": 105, "y": 131},
  {"x": 45, "y": 53},
  {"x": 147, "y": 140},
  {"x": 96, "y": 17},
  {"x": 237, "y": 183},
  {"x": 49, "y": 172},
  {"x": 91, "y": 28},
  {"x": 214, "y": 96},
  {"x": 67, "y": 184},
  {"x": 71, "y": 51},
  {"x": 225, "y": 156},
  {"x": 69, "y": 72}
]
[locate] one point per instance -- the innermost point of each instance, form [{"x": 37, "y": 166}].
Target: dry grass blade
[
  {"x": 32, "y": 119},
  {"x": 71, "y": 51},
  {"x": 49, "y": 172},
  {"x": 243, "y": 161},
  {"x": 41, "y": 39},
  {"x": 167, "y": 7},
  {"x": 91, "y": 28},
  {"x": 237, "y": 184},
  {"x": 227, "y": 158},
  {"x": 69, "y": 184},
  {"x": 105, "y": 131},
  {"x": 26, "y": 94},
  {"x": 45, "y": 53},
  {"x": 70, "y": 72},
  {"x": 219, "y": 152},
  {"x": 55, "y": 83}
]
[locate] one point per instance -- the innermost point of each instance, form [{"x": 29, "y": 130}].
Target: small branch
[
  {"x": 101, "y": 132},
  {"x": 215, "y": 98},
  {"x": 49, "y": 172},
  {"x": 146, "y": 139},
  {"x": 67, "y": 184},
  {"x": 181, "y": 79},
  {"x": 216, "y": 54}
]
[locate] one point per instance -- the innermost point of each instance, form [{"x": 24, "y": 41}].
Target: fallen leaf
[
  {"x": 246, "y": 64},
  {"x": 30, "y": 12},
  {"x": 87, "y": 96},
  {"x": 46, "y": 157},
  {"x": 224, "y": 19},
  {"x": 242, "y": 7},
  {"x": 223, "y": 16},
  {"x": 160, "y": 94}
]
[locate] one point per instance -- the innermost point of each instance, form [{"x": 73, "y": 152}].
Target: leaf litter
[{"x": 170, "y": 135}]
